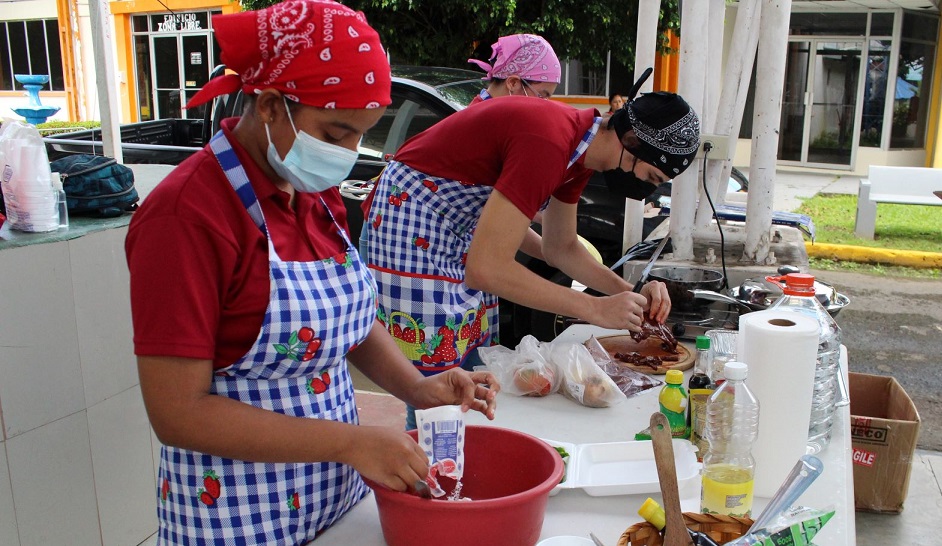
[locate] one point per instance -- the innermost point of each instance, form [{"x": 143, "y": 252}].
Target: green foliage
[
  {"x": 53, "y": 127},
  {"x": 899, "y": 227},
  {"x": 449, "y": 32}
]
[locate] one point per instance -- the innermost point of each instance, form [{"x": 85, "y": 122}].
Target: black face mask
[{"x": 626, "y": 185}]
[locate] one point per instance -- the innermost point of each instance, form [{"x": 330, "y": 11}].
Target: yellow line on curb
[{"x": 908, "y": 258}]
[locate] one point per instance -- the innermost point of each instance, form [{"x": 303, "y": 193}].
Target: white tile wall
[
  {"x": 40, "y": 373},
  {"x": 8, "y": 536},
  {"x": 53, "y": 485},
  {"x": 123, "y": 460},
  {"x": 101, "y": 285}
]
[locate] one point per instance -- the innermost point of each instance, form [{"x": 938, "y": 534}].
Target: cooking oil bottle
[
  {"x": 731, "y": 429},
  {"x": 699, "y": 389}
]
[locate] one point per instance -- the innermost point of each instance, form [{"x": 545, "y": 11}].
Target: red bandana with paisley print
[{"x": 316, "y": 52}]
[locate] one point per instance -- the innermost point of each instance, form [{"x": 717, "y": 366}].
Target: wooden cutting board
[{"x": 648, "y": 347}]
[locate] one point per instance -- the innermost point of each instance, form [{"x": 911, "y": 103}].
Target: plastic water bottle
[
  {"x": 699, "y": 389},
  {"x": 673, "y": 403},
  {"x": 731, "y": 429},
  {"x": 799, "y": 296}
]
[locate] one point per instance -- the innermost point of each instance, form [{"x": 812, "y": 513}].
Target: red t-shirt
[
  {"x": 199, "y": 265},
  {"x": 519, "y": 145}
]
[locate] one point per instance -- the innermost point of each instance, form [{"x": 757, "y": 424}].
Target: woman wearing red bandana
[{"x": 248, "y": 298}]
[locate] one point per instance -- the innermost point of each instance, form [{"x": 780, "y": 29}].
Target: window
[
  {"x": 30, "y": 47},
  {"x": 914, "y": 80}
]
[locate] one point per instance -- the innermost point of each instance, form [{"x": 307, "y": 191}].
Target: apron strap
[
  {"x": 237, "y": 177},
  {"x": 586, "y": 140}
]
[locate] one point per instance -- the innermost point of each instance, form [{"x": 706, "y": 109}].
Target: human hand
[
  {"x": 388, "y": 457},
  {"x": 659, "y": 302},
  {"x": 471, "y": 390},
  {"x": 622, "y": 311}
]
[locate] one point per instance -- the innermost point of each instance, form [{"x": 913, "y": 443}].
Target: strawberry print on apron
[
  {"x": 420, "y": 231},
  {"x": 317, "y": 312}
]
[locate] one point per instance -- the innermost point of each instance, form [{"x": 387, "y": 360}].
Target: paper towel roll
[{"x": 780, "y": 347}]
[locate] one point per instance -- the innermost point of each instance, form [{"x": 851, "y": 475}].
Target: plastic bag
[
  {"x": 796, "y": 527},
  {"x": 630, "y": 382},
  {"x": 523, "y": 371},
  {"x": 26, "y": 180},
  {"x": 582, "y": 379}
]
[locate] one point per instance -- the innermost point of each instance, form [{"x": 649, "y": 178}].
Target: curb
[{"x": 847, "y": 253}]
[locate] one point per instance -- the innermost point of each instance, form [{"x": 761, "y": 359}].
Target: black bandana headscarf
[{"x": 667, "y": 128}]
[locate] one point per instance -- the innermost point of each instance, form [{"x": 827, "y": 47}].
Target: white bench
[{"x": 900, "y": 185}]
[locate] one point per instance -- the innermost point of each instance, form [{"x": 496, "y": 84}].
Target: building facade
[{"x": 863, "y": 79}]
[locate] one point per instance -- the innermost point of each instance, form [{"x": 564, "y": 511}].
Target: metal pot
[
  {"x": 751, "y": 293},
  {"x": 680, "y": 280}
]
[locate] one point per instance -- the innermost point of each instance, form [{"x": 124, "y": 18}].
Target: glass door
[
  {"x": 820, "y": 118},
  {"x": 166, "y": 70},
  {"x": 196, "y": 67}
]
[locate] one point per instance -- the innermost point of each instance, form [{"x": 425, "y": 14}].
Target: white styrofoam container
[{"x": 622, "y": 468}]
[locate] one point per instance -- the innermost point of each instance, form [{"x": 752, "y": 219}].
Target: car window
[{"x": 404, "y": 118}]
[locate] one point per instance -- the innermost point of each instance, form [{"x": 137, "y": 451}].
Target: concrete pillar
[
  {"x": 645, "y": 53},
  {"x": 105, "y": 77},
  {"x": 732, "y": 103},
  {"x": 692, "y": 86},
  {"x": 770, "y": 83}
]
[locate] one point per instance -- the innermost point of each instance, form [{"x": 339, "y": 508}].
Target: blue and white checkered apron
[
  {"x": 420, "y": 231},
  {"x": 317, "y": 312}
]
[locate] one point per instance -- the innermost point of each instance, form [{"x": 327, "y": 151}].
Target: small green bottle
[{"x": 673, "y": 402}]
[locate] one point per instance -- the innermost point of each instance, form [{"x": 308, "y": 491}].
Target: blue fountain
[{"x": 35, "y": 113}]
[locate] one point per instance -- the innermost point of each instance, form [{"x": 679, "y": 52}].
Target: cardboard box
[{"x": 884, "y": 426}]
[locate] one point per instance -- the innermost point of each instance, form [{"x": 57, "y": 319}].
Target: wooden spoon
[{"x": 675, "y": 531}]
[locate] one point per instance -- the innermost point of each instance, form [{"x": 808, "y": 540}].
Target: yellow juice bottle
[{"x": 673, "y": 403}]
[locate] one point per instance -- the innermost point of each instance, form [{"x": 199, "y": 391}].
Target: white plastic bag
[
  {"x": 25, "y": 179},
  {"x": 523, "y": 371},
  {"x": 582, "y": 379}
]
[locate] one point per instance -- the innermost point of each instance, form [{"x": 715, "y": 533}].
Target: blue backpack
[{"x": 96, "y": 185}]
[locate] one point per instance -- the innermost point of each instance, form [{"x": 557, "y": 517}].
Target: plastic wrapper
[
  {"x": 582, "y": 379},
  {"x": 629, "y": 382},
  {"x": 441, "y": 435},
  {"x": 523, "y": 371},
  {"x": 25, "y": 179},
  {"x": 796, "y": 527}
]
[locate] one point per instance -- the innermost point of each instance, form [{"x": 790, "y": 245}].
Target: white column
[
  {"x": 645, "y": 52},
  {"x": 692, "y": 87},
  {"x": 105, "y": 77},
  {"x": 770, "y": 83},
  {"x": 732, "y": 103}
]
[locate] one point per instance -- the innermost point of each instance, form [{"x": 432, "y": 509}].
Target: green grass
[{"x": 899, "y": 227}]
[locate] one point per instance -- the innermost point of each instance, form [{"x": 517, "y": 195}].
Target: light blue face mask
[{"x": 311, "y": 164}]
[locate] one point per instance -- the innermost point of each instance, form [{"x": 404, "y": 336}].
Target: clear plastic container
[
  {"x": 731, "y": 429},
  {"x": 722, "y": 350},
  {"x": 799, "y": 296}
]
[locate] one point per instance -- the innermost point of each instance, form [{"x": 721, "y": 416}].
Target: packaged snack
[{"x": 441, "y": 436}]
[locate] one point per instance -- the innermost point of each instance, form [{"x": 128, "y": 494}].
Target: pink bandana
[
  {"x": 525, "y": 55},
  {"x": 317, "y": 52}
]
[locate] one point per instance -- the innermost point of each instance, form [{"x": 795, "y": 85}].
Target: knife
[{"x": 647, "y": 268}]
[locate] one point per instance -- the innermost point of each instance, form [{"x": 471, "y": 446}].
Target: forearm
[
  {"x": 532, "y": 245},
  {"x": 382, "y": 362},
  {"x": 514, "y": 282},
  {"x": 214, "y": 424},
  {"x": 576, "y": 262}
]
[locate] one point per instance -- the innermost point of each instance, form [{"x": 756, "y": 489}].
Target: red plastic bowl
[{"x": 508, "y": 475}]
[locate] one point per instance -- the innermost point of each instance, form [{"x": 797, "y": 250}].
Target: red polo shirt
[{"x": 199, "y": 265}]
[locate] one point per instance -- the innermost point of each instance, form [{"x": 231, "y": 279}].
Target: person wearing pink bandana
[
  {"x": 523, "y": 64},
  {"x": 248, "y": 298}
]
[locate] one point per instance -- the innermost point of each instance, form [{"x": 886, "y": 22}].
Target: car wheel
[{"x": 740, "y": 178}]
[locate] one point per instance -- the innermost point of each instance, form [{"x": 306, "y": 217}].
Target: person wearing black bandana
[{"x": 661, "y": 134}]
